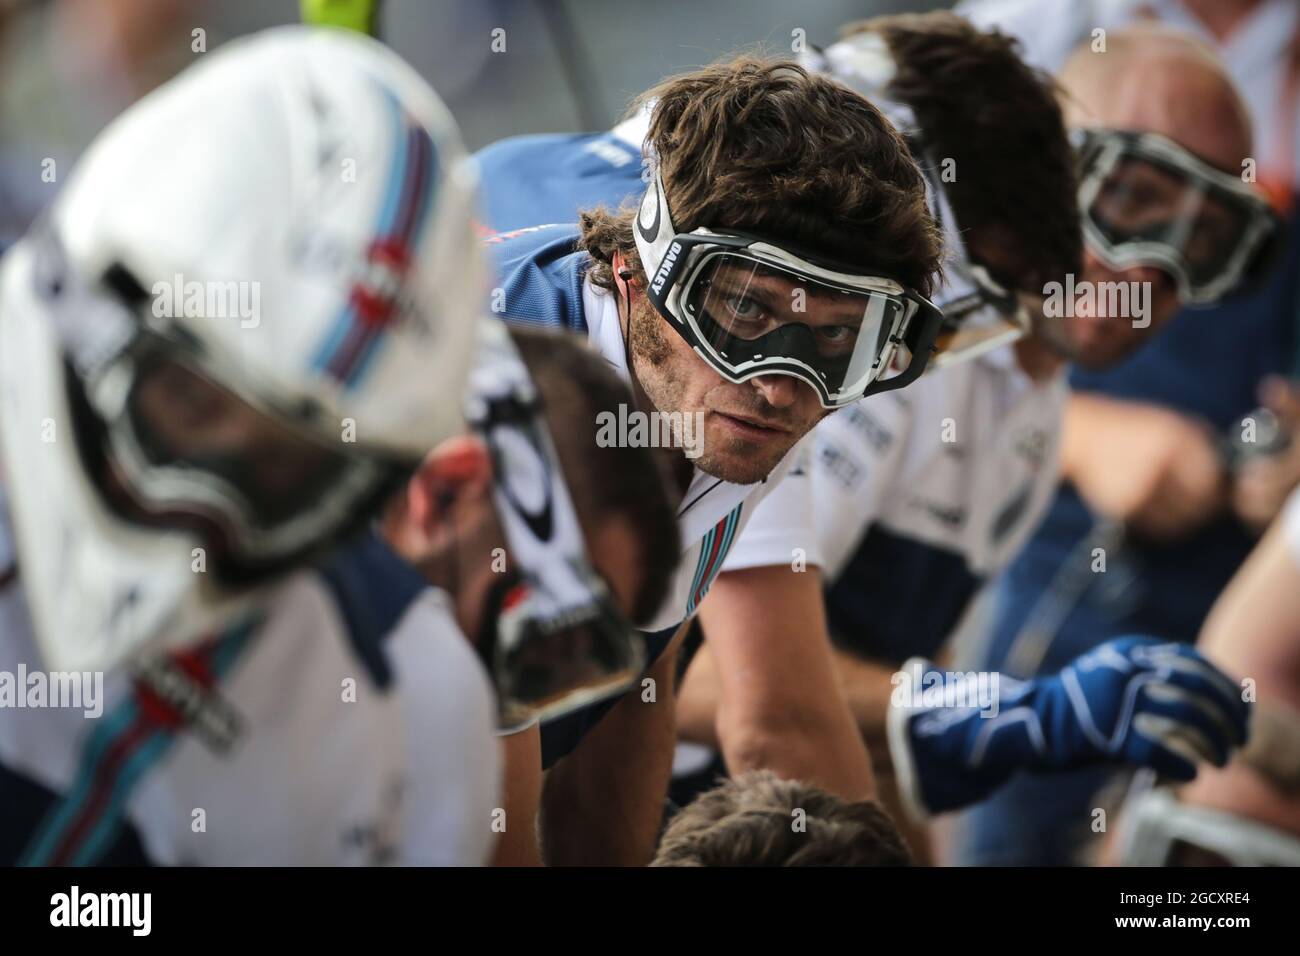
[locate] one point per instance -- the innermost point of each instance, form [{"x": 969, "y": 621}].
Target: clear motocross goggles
[
  {"x": 749, "y": 308},
  {"x": 1145, "y": 200},
  {"x": 174, "y": 441}
]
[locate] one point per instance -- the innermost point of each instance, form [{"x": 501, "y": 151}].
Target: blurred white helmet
[{"x": 246, "y": 318}]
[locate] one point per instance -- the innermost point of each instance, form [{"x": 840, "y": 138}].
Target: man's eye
[
  {"x": 837, "y": 334},
  {"x": 742, "y": 306},
  {"x": 1130, "y": 198}
]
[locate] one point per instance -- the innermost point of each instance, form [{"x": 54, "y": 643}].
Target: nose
[
  {"x": 1095, "y": 268},
  {"x": 781, "y": 391}
]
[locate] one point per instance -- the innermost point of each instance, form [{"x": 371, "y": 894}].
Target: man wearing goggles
[
  {"x": 1017, "y": 223},
  {"x": 1163, "y": 144},
  {"x": 919, "y": 501},
  {"x": 737, "y": 311},
  {"x": 1146, "y": 200},
  {"x": 187, "y": 497}
]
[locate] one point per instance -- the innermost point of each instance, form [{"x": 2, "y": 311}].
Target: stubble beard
[{"x": 732, "y": 460}]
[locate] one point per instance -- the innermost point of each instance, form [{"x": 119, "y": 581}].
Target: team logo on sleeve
[{"x": 713, "y": 552}]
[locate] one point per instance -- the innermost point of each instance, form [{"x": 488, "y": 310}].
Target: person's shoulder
[
  {"x": 526, "y": 146},
  {"x": 875, "y": 426},
  {"x": 362, "y": 590},
  {"x": 549, "y": 178},
  {"x": 370, "y": 606},
  {"x": 541, "y": 272},
  {"x": 438, "y": 669},
  {"x": 545, "y": 242}
]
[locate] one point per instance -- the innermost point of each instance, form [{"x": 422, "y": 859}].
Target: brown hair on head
[
  {"x": 764, "y": 147},
  {"x": 752, "y": 821},
  {"x": 999, "y": 120}
]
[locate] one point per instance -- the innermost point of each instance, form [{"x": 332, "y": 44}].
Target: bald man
[
  {"x": 1162, "y": 135},
  {"x": 1158, "y": 79},
  {"x": 1155, "y": 79}
]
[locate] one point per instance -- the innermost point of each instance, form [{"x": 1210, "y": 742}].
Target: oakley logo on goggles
[
  {"x": 560, "y": 643},
  {"x": 749, "y": 308},
  {"x": 1147, "y": 201}
]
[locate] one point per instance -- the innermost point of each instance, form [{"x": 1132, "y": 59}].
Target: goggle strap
[{"x": 653, "y": 228}]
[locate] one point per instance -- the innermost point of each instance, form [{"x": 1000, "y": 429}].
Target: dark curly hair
[
  {"x": 979, "y": 104},
  {"x": 764, "y": 147}
]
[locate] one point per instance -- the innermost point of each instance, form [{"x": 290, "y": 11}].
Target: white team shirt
[
  {"x": 964, "y": 460},
  {"x": 410, "y": 776},
  {"x": 714, "y": 516}
]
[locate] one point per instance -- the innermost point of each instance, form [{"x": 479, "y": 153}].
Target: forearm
[
  {"x": 517, "y": 844},
  {"x": 602, "y": 805},
  {"x": 867, "y": 685},
  {"x": 820, "y": 747},
  {"x": 698, "y": 699},
  {"x": 1087, "y": 421},
  {"x": 779, "y": 706},
  {"x": 1251, "y": 629},
  {"x": 1158, "y": 471}
]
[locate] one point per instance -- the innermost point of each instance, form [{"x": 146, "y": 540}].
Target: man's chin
[{"x": 739, "y": 465}]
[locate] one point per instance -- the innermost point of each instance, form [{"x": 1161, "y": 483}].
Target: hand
[
  {"x": 1155, "y": 469},
  {"x": 1261, "y": 486},
  {"x": 1128, "y": 701},
  {"x": 1152, "y": 705}
]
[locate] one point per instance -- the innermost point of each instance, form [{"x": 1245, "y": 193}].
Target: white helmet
[{"x": 246, "y": 318}]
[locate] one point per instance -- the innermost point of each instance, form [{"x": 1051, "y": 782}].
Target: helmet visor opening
[{"x": 184, "y": 445}]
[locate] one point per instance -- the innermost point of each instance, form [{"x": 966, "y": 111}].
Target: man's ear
[
  {"x": 458, "y": 470},
  {"x": 623, "y": 275}
]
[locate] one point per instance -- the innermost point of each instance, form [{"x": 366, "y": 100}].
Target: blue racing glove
[{"x": 955, "y": 738}]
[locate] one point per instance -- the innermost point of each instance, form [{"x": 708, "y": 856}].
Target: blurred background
[{"x": 70, "y": 65}]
